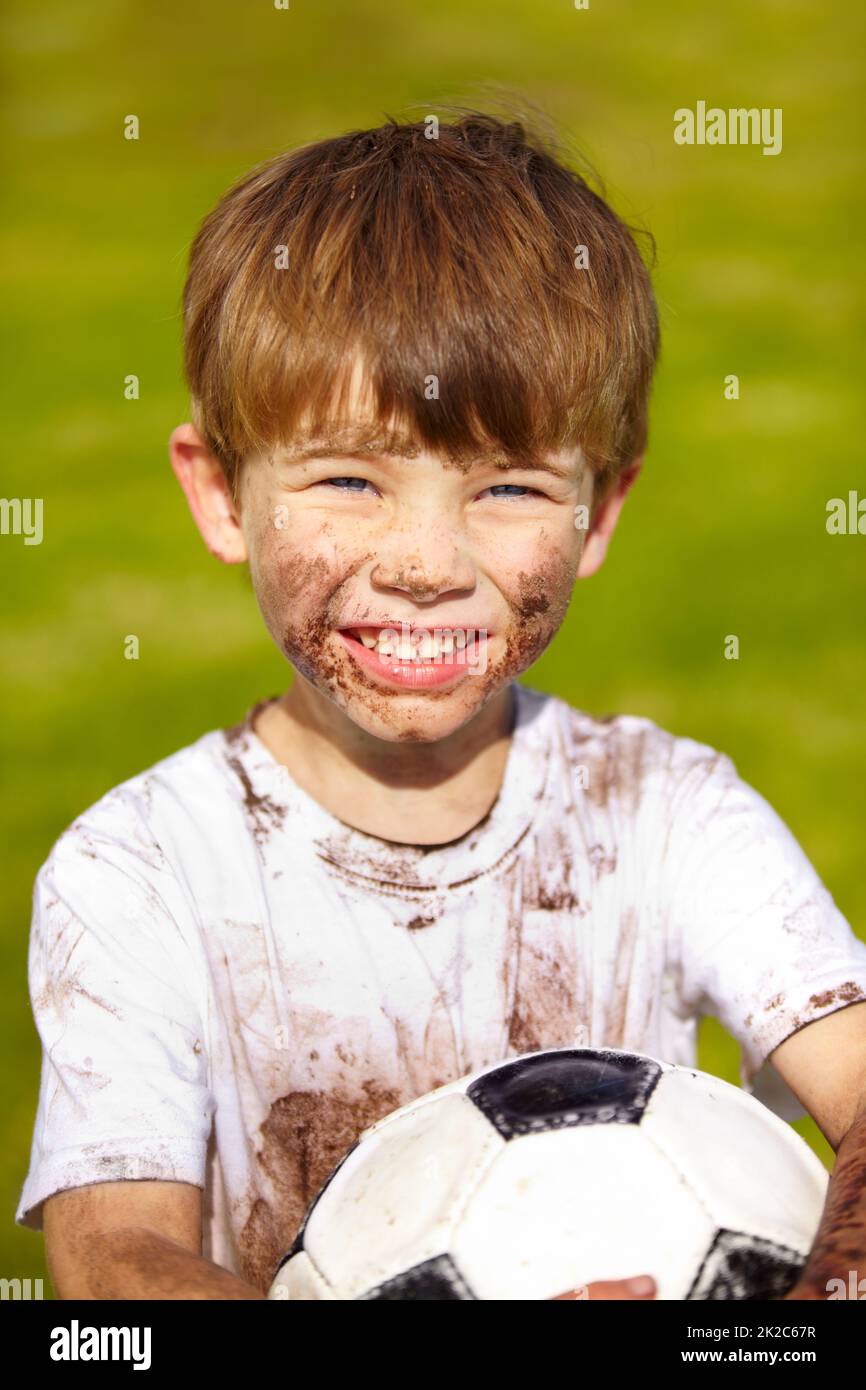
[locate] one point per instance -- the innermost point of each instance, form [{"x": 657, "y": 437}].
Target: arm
[
  {"x": 125, "y": 1105},
  {"x": 825, "y": 1066},
  {"x": 138, "y": 1240}
]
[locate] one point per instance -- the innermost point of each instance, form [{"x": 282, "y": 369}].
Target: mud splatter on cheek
[
  {"x": 300, "y": 591},
  {"x": 305, "y": 645},
  {"x": 295, "y": 578},
  {"x": 537, "y": 606},
  {"x": 304, "y": 601}
]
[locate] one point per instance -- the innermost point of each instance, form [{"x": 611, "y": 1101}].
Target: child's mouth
[{"x": 417, "y": 657}]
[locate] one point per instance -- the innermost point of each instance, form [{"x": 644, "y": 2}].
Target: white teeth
[{"x": 420, "y": 645}]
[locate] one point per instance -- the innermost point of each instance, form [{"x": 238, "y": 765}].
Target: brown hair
[{"x": 449, "y": 258}]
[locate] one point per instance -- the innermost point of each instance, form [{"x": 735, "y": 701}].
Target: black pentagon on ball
[
  {"x": 742, "y": 1266},
  {"x": 565, "y": 1087},
  {"x": 436, "y": 1280},
  {"x": 298, "y": 1243}
]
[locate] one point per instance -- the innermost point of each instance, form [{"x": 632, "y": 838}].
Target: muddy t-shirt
[{"x": 230, "y": 983}]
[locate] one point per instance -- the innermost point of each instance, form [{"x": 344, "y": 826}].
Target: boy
[{"x": 419, "y": 371}]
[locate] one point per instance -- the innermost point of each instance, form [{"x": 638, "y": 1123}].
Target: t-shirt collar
[{"x": 385, "y": 864}]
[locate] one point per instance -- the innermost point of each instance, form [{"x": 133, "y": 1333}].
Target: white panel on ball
[
  {"x": 558, "y": 1209},
  {"x": 401, "y": 1193},
  {"x": 693, "y": 1116}
]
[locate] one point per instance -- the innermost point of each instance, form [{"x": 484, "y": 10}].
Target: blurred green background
[{"x": 759, "y": 274}]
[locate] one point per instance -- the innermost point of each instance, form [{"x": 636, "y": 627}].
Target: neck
[{"x": 440, "y": 789}]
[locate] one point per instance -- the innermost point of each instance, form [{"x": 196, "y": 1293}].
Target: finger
[{"x": 641, "y": 1287}]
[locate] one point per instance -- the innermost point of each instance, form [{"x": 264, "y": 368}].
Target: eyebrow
[
  {"x": 352, "y": 448},
  {"x": 365, "y": 447}
]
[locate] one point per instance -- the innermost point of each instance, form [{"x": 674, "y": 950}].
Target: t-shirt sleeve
[
  {"x": 115, "y": 996},
  {"x": 760, "y": 943}
]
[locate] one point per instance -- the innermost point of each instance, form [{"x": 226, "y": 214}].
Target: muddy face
[{"x": 338, "y": 545}]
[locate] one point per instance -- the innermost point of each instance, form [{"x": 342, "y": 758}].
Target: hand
[{"x": 642, "y": 1288}]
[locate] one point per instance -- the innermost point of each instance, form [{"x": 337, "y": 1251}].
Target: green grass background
[{"x": 759, "y": 274}]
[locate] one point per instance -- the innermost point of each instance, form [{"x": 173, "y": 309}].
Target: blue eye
[
  {"x": 510, "y": 490},
  {"x": 347, "y": 484}
]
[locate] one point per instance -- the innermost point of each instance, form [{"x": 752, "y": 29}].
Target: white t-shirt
[{"x": 230, "y": 983}]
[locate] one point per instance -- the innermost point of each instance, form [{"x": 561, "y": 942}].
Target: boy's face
[
  {"x": 405, "y": 590},
  {"x": 345, "y": 551}
]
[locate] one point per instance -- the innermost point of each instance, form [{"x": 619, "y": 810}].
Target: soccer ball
[{"x": 559, "y": 1168}]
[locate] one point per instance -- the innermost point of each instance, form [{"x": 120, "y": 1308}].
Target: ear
[
  {"x": 206, "y": 490},
  {"x": 604, "y": 518}
]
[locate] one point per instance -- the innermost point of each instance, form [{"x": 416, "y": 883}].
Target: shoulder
[
  {"x": 626, "y": 759},
  {"x": 113, "y": 898},
  {"x": 127, "y": 823}
]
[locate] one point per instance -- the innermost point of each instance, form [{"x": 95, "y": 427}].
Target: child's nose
[{"x": 425, "y": 577}]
